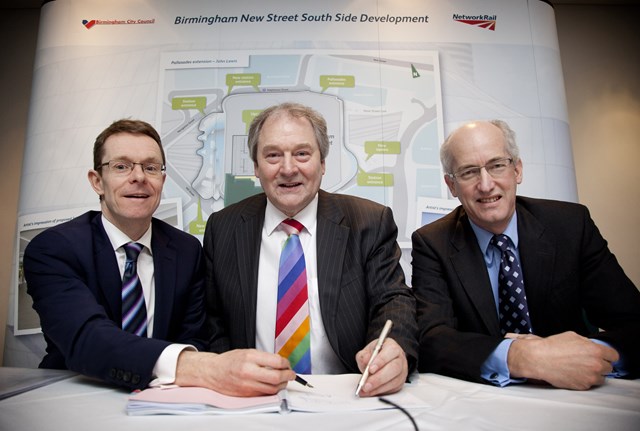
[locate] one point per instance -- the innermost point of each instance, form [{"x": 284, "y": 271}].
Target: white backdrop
[{"x": 392, "y": 77}]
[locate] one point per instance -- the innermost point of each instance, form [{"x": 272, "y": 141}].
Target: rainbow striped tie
[{"x": 292, "y": 321}]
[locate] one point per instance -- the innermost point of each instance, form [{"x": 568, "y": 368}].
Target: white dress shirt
[
  {"x": 164, "y": 370},
  {"x": 323, "y": 358}
]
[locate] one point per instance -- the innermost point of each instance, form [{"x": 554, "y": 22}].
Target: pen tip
[{"x": 311, "y": 386}]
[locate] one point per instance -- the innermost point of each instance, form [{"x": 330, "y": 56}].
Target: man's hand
[
  {"x": 246, "y": 372},
  {"x": 389, "y": 369},
  {"x": 565, "y": 360}
]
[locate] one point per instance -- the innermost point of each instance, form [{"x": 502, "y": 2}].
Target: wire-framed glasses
[
  {"x": 496, "y": 168},
  {"x": 124, "y": 167}
]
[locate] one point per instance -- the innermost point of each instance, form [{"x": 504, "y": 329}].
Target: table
[{"x": 79, "y": 403}]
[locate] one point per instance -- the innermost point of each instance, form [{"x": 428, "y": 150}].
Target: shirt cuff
[
  {"x": 618, "y": 366},
  {"x": 164, "y": 371},
  {"x": 495, "y": 369}
]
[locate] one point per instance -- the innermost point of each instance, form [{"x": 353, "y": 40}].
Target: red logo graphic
[
  {"x": 88, "y": 24},
  {"x": 482, "y": 21}
]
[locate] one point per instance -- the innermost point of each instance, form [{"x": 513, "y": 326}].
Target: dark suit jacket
[
  {"x": 567, "y": 268},
  {"x": 360, "y": 281},
  {"x": 72, "y": 275}
]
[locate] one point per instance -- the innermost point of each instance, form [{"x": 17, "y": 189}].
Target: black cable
[{"x": 402, "y": 409}]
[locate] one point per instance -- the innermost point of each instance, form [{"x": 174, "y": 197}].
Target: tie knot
[
  {"x": 132, "y": 250},
  {"x": 501, "y": 241},
  {"x": 291, "y": 226}
]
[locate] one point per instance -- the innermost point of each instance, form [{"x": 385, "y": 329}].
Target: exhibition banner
[{"x": 391, "y": 77}]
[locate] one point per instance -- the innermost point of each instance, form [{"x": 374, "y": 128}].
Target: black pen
[{"x": 302, "y": 381}]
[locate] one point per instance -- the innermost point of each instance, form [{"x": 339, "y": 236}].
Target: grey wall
[
  {"x": 18, "y": 32},
  {"x": 600, "y": 49},
  {"x": 600, "y": 56}
]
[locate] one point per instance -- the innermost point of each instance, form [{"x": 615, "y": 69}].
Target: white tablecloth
[{"x": 78, "y": 403}]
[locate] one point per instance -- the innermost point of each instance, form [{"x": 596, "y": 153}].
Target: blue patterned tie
[
  {"x": 512, "y": 300},
  {"x": 292, "y": 320},
  {"x": 134, "y": 310}
]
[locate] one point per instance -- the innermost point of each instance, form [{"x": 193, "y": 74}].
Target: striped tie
[
  {"x": 134, "y": 310},
  {"x": 292, "y": 321}
]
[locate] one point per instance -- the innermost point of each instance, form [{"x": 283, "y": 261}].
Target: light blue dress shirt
[{"x": 495, "y": 369}]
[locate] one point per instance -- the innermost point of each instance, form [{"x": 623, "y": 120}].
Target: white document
[
  {"x": 338, "y": 393},
  {"x": 330, "y": 393}
]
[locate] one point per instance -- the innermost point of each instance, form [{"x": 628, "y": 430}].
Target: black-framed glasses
[
  {"x": 496, "y": 168},
  {"x": 124, "y": 167}
]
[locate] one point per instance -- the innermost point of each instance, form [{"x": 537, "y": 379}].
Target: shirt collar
[
  {"x": 484, "y": 236},
  {"x": 308, "y": 216},
  {"x": 119, "y": 238}
]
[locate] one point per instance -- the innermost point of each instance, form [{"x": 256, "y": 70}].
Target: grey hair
[
  {"x": 295, "y": 110},
  {"x": 446, "y": 157}
]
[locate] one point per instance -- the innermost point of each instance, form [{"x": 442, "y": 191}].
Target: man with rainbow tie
[{"x": 308, "y": 274}]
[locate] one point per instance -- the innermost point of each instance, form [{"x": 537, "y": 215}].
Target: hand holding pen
[{"x": 384, "y": 364}]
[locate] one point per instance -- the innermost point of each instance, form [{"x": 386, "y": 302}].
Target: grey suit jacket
[
  {"x": 360, "y": 281},
  {"x": 568, "y": 270}
]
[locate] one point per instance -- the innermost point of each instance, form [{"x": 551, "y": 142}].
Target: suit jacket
[
  {"x": 360, "y": 281},
  {"x": 72, "y": 274},
  {"x": 568, "y": 270}
]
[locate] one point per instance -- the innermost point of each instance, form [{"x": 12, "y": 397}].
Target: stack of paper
[
  {"x": 329, "y": 393},
  {"x": 192, "y": 400}
]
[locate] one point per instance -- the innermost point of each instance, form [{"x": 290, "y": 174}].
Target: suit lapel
[
  {"x": 165, "y": 266},
  {"x": 107, "y": 273},
  {"x": 468, "y": 263},
  {"x": 248, "y": 238},
  {"x": 537, "y": 250},
  {"x": 331, "y": 243}
]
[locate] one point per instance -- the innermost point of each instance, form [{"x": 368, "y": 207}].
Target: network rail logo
[
  {"x": 483, "y": 21},
  {"x": 89, "y": 23}
]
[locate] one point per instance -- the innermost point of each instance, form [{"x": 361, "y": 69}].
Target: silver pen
[{"x": 376, "y": 350}]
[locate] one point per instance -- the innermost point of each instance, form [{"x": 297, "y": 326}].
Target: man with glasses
[
  {"x": 511, "y": 288},
  {"x": 120, "y": 294}
]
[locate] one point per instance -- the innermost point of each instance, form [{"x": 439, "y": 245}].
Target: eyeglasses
[
  {"x": 122, "y": 167},
  {"x": 496, "y": 168}
]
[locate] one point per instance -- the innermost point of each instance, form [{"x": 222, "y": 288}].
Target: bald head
[
  {"x": 483, "y": 170},
  {"x": 478, "y": 132}
]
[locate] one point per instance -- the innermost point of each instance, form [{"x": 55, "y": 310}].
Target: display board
[{"x": 392, "y": 78}]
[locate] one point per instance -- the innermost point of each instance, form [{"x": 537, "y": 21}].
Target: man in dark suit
[
  {"x": 74, "y": 273},
  {"x": 571, "y": 279},
  {"x": 353, "y": 280}
]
